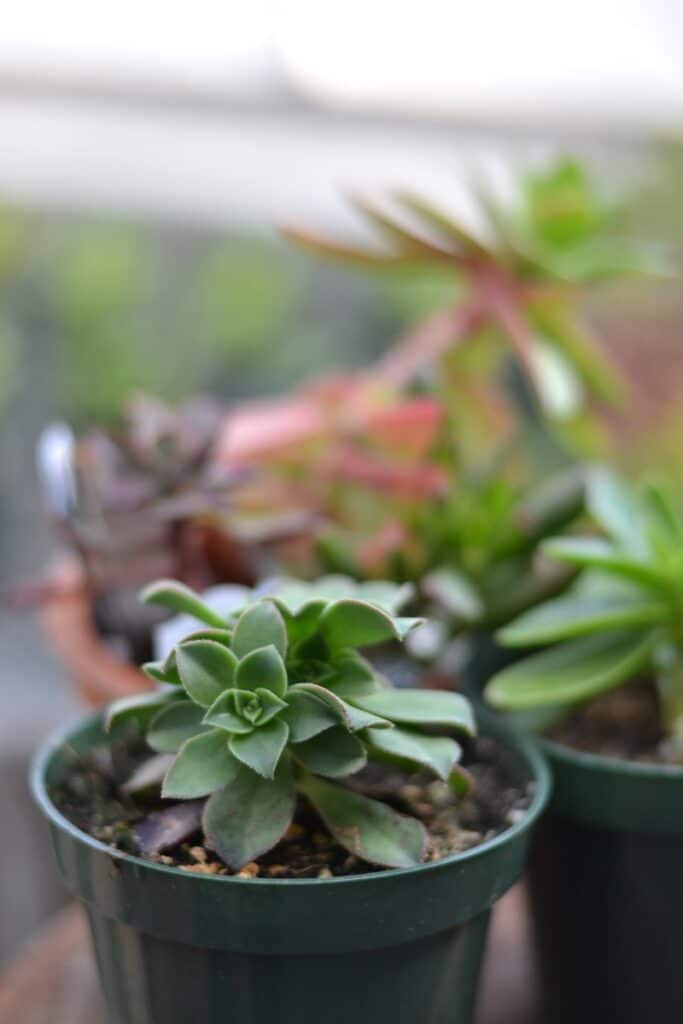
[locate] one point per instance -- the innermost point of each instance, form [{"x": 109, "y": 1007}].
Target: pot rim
[
  {"x": 605, "y": 763},
  {"x": 535, "y": 761}
]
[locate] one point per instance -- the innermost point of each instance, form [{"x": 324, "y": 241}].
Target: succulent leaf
[
  {"x": 307, "y": 715},
  {"x": 140, "y": 709},
  {"x": 262, "y": 667},
  {"x": 572, "y": 671},
  {"x": 225, "y": 713},
  {"x": 179, "y": 598},
  {"x": 570, "y": 616},
  {"x": 367, "y": 828},
  {"x": 202, "y": 765},
  {"x": 248, "y": 817},
  {"x": 261, "y": 749},
  {"x": 334, "y": 753},
  {"x": 438, "y": 753},
  {"x": 354, "y": 623},
  {"x": 352, "y": 717},
  {"x": 422, "y": 708},
  {"x": 161, "y": 672},
  {"x": 259, "y": 625},
  {"x": 171, "y": 726},
  {"x": 206, "y": 669}
]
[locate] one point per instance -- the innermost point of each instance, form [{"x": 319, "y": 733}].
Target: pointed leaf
[
  {"x": 438, "y": 753},
  {"x": 348, "y": 714},
  {"x": 402, "y": 237},
  {"x": 347, "y": 253},
  {"x": 446, "y": 225},
  {"x": 271, "y": 705},
  {"x": 248, "y": 817},
  {"x": 206, "y": 669},
  {"x": 595, "y": 553},
  {"x": 571, "y": 616},
  {"x": 180, "y": 598},
  {"x": 334, "y": 753},
  {"x": 572, "y": 671},
  {"x": 261, "y": 749},
  {"x": 422, "y": 707},
  {"x": 307, "y": 715},
  {"x": 352, "y": 676},
  {"x": 224, "y": 713},
  {"x": 162, "y": 672},
  {"x": 259, "y": 625},
  {"x": 169, "y": 729},
  {"x": 166, "y": 828},
  {"x": 367, "y": 828},
  {"x": 617, "y": 508},
  {"x": 262, "y": 667},
  {"x": 139, "y": 709},
  {"x": 352, "y": 623},
  {"x": 203, "y": 765}
]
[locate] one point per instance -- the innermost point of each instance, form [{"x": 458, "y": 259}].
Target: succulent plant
[
  {"x": 520, "y": 276},
  {"x": 276, "y": 701},
  {"x": 623, "y": 619}
]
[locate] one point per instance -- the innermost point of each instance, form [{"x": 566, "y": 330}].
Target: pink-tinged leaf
[
  {"x": 417, "y": 481},
  {"x": 348, "y": 253},
  {"x": 411, "y": 427},
  {"x": 165, "y": 829}
]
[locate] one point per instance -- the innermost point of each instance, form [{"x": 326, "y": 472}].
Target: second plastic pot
[{"x": 606, "y": 884}]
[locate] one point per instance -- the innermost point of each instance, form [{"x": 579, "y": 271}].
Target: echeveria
[{"x": 275, "y": 700}]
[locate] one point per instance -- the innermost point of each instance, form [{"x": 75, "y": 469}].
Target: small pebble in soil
[{"x": 92, "y": 798}]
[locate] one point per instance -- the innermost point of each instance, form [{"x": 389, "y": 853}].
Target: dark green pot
[
  {"x": 397, "y": 946},
  {"x": 606, "y": 884}
]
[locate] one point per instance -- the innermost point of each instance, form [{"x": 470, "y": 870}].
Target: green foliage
[
  {"x": 281, "y": 702},
  {"x": 622, "y": 619}
]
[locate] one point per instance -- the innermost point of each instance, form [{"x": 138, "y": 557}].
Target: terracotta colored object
[
  {"x": 54, "y": 981},
  {"x": 66, "y": 615}
]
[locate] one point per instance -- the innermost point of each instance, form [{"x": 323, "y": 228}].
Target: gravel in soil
[
  {"x": 625, "y": 723},
  {"x": 91, "y": 798}
]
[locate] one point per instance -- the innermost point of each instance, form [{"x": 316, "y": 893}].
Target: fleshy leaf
[
  {"x": 352, "y": 717},
  {"x": 206, "y": 669},
  {"x": 422, "y": 707},
  {"x": 438, "y": 753},
  {"x": 173, "y": 725},
  {"x": 566, "y": 617},
  {"x": 162, "y": 672},
  {"x": 259, "y": 625},
  {"x": 271, "y": 705},
  {"x": 307, "y": 716},
  {"x": 618, "y": 509},
  {"x": 168, "y": 827},
  {"x": 367, "y": 828},
  {"x": 180, "y": 598},
  {"x": 261, "y": 749},
  {"x": 224, "y": 714},
  {"x": 595, "y": 553},
  {"x": 140, "y": 708},
  {"x": 334, "y": 753},
  {"x": 572, "y": 671},
  {"x": 248, "y": 817},
  {"x": 353, "y": 675},
  {"x": 262, "y": 667},
  {"x": 203, "y": 765},
  {"x": 350, "y": 623}
]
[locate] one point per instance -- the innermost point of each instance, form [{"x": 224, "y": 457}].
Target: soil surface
[
  {"x": 169, "y": 833},
  {"x": 625, "y": 723}
]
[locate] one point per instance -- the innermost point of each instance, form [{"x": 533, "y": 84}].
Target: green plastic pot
[
  {"x": 606, "y": 885},
  {"x": 384, "y": 948}
]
